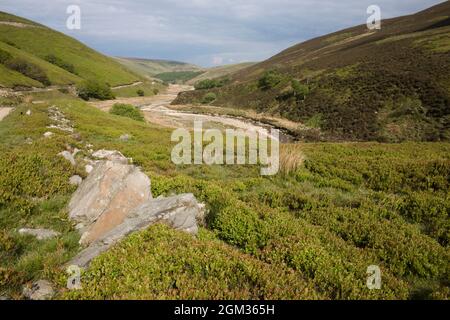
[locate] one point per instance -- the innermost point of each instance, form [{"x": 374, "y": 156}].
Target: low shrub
[
  {"x": 93, "y": 89},
  {"x": 140, "y": 93},
  {"x": 127, "y": 110},
  {"x": 209, "y": 97},
  {"x": 60, "y": 63},
  {"x": 210, "y": 83},
  {"x": 269, "y": 80},
  {"x": 4, "y": 56},
  {"x": 28, "y": 69}
]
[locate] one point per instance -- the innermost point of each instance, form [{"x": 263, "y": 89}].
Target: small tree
[
  {"x": 140, "y": 93},
  {"x": 300, "y": 90},
  {"x": 93, "y": 89},
  {"x": 269, "y": 80},
  {"x": 127, "y": 110}
]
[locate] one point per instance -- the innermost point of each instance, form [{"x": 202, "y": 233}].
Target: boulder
[
  {"x": 48, "y": 134},
  {"x": 40, "y": 290},
  {"x": 180, "y": 212},
  {"x": 106, "y": 196},
  {"x": 40, "y": 234},
  {"x": 28, "y": 113}
]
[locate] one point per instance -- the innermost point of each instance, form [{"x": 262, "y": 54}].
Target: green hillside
[
  {"x": 388, "y": 85},
  {"x": 70, "y": 60}
]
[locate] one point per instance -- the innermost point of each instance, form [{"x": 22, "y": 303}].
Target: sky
[{"x": 205, "y": 32}]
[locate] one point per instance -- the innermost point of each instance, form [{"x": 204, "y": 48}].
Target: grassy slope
[
  {"x": 152, "y": 67},
  {"x": 319, "y": 227},
  {"x": 36, "y": 42},
  {"x": 390, "y": 85},
  {"x": 222, "y": 71}
]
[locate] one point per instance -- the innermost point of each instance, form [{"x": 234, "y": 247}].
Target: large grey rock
[
  {"x": 40, "y": 234},
  {"x": 106, "y": 196},
  {"x": 40, "y": 290},
  {"x": 180, "y": 212}
]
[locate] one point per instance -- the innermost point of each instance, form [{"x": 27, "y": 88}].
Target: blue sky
[{"x": 205, "y": 32}]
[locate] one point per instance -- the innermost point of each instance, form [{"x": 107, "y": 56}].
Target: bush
[
  {"x": 28, "y": 69},
  {"x": 93, "y": 89},
  {"x": 4, "y": 56},
  {"x": 209, "y": 97},
  {"x": 210, "y": 83},
  {"x": 60, "y": 63},
  {"x": 155, "y": 91},
  {"x": 269, "y": 80},
  {"x": 140, "y": 93},
  {"x": 127, "y": 110}
]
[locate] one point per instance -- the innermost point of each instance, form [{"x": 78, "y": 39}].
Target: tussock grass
[{"x": 291, "y": 158}]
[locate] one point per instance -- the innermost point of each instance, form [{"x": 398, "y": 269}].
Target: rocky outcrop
[
  {"x": 40, "y": 234},
  {"x": 59, "y": 120},
  {"x": 180, "y": 212},
  {"x": 106, "y": 196},
  {"x": 115, "y": 200},
  {"x": 111, "y": 155},
  {"x": 40, "y": 290}
]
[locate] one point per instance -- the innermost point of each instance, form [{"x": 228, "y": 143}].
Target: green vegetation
[
  {"x": 60, "y": 63},
  {"x": 93, "y": 89},
  {"x": 301, "y": 91},
  {"x": 209, "y": 97},
  {"x": 177, "y": 76},
  {"x": 211, "y": 83},
  {"x": 269, "y": 80},
  {"x": 36, "y": 44},
  {"x": 28, "y": 69},
  {"x": 140, "y": 92},
  {"x": 127, "y": 110}
]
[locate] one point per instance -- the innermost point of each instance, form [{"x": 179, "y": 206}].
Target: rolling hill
[
  {"x": 388, "y": 85},
  {"x": 151, "y": 67},
  {"x": 221, "y": 71},
  {"x": 34, "y": 55}
]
